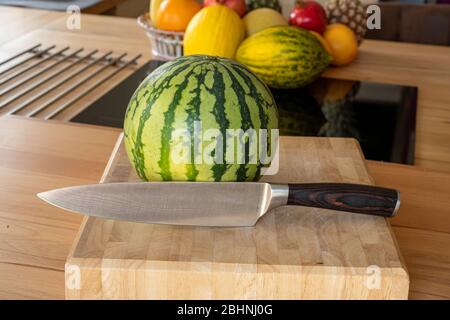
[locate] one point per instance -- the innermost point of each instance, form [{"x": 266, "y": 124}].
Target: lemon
[{"x": 322, "y": 41}]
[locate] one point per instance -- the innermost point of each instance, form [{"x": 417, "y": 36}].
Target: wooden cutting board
[{"x": 292, "y": 253}]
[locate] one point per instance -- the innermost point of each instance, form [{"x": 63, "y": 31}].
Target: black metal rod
[
  {"x": 43, "y": 93},
  {"x": 19, "y": 54},
  {"x": 95, "y": 85},
  {"x": 36, "y": 54},
  {"x": 34, "y": 65},
  {"x": 53, "y": 75},
  {"x": 36, "y": 74}
]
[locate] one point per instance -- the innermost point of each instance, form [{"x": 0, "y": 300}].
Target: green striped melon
[
  {"x": 284, "y": 56},
  {"x": 192, "y": 92}
]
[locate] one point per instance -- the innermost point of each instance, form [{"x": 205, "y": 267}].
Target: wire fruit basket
[{"x": 166, "y": 45}]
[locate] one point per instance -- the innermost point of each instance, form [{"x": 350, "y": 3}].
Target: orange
[
  {"x": 174, "y": 15},
  {"x": 343, "y": 43}
]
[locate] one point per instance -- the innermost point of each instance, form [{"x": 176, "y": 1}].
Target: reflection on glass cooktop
[{"x": 382, "y": 117}]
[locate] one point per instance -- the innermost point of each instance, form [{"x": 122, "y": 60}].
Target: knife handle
[{"x": 346, "y": 197}]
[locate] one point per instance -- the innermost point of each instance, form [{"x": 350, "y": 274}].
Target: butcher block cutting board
[{"x": 292, "y": 253}]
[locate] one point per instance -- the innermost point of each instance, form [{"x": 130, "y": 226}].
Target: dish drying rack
[{"x": 45, "y": 81}]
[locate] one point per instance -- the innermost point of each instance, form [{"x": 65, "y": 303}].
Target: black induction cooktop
[{"x": 382, "y": 117}]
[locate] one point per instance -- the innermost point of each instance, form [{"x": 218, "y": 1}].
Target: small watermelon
[
  {"x": 195, "y": 94},
  {"x": 256, "y": 4}
]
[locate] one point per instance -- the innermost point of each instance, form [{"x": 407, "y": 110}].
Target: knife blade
[{"x": 216, "y": 204}]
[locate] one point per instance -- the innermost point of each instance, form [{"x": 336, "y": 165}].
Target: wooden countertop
[
  {"x": 36, "y": 155},
  {"x": 35, "y": 238}
]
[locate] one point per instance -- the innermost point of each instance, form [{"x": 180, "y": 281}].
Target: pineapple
[
  {"x": 335, "y": 98},
  {"x": 349, "y": 12},
  {"x": 341, "y": 122}
]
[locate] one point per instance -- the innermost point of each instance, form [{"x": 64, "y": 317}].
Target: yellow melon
[
  {"x": 216, "y": 31},
  {"x": 261, "y": 19},
  {"x": 154, "y": 8}
]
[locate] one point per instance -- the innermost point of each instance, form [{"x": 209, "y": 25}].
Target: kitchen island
[{"x": 37, "y": 155}]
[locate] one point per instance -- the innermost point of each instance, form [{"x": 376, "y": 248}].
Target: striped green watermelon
[
  {"x": 256, "y": 4},
  {"x": 180, "y": 96}
]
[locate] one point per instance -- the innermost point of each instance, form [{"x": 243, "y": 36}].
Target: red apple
[
  {"x": 309, "y": 15},
  {"x": 236, "y": 5}
]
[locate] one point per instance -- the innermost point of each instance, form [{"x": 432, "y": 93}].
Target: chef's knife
[{"x": 218, "y": 204}]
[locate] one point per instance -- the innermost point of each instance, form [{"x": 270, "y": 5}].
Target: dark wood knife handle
[{"x": 346, "y": 197}]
